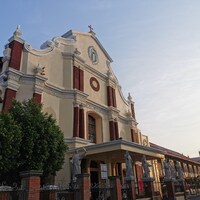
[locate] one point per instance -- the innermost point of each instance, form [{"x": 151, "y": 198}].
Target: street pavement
[{"x": 193, "y": 197}]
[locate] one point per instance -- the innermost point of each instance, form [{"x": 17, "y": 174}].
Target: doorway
[{"x": 94, "y": 180}]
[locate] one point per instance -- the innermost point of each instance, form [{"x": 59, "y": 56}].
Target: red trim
[
  {"x": 81, "y": 80},
  {"x": 76, "y": 78},
  {"x": 8, "y": 98},
  {"x": 114, "y": 98},
  {"x": 37, "y": 98},
  {"x": 112, "y": 130},
  {"x": 135, "y": 137},
  {"x": 81, "y": 124},
  {"x": 109, "y": 96},
  {"x": 16, "y": 53},
  {"x": 139, "y": 175},
  {"x": 132, "y": 136},
  {"x": 116, "y": 130},
  {"x": 76, "y": 122}
]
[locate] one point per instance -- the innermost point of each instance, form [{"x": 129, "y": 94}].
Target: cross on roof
[{"x": 90, "y": 27}]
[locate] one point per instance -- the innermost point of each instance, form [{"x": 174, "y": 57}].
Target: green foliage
[
  {"x": 10, "y": 141},
  {"x": 41, "y": 141}
]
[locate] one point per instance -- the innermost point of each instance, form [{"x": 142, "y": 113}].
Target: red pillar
[
  {"x": 109, "y": 96},
  {"x": 114, "y": 98},
  {"x": 131, "y": 184},
  {"x": 116, "y": 192},
  {"x": 116, "y": 130},
  {"x": 37, "y": 98},
  {"x": 148, "y": 187},
  {"x": 81, "y": 124},
  {"x": 16, "y": 52},
  {"x": 31, "y": 183},
  {"x": 4, "y": 195},
  {"x": 170, "y": 189},
  {"x": 112, "y": 130},
  {"x": 76, "y": 122},
  {"x": 8, "y": 98},
  {"x": 83, "y": 187}
]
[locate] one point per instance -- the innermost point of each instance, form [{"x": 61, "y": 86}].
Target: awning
[{"x": 115, "y": 150}]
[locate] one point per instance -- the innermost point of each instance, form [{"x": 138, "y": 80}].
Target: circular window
[
  {"x": 94, "y": 84},
  {"x": 93, "y": 55}
]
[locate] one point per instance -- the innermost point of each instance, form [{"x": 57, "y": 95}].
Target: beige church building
[{"x": 72, "y": 77}]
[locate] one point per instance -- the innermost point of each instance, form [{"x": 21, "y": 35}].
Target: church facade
[{"x": 72, "y": 77}]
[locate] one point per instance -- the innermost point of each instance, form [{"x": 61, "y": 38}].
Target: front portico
[{"x": 112, "y": 154}]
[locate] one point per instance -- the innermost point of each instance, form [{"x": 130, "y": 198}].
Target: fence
[
  {"x": 100, "y": 191},
  {"x": 61, "y": 192},
  {"x": 193, "y": 186}
]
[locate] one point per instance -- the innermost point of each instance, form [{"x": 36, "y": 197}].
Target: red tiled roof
[{"x": 171, "y": 153}]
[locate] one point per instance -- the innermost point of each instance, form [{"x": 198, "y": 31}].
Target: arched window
[{"x": 92, "y": 128}]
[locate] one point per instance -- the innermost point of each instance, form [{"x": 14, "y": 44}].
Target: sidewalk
[{"x": 194, "y": 197}]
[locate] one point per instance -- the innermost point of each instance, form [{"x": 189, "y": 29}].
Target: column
[
  {"x": 31, "y": 183},
  {"x": 37, "y": 98},
  {"x": 109, "y": 96},
  {"x": 16, "y": 52},
  {"x": 82, "y": 192},
  {"x": 76, "y": 121},
  {"x": 81, "y": 123},
  {"x": 116, "y": 130},
  {"x": 112, "y": 130},
  {"x": 170, "y": 188},
  {"x": 131, "y": 194},
  {"x": 148, "y": 187},
  {"x": 8, "y": 98},
  {"x": 115, "y": 191}
]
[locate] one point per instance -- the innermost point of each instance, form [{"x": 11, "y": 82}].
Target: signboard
[{"x": 104, "y": 171}]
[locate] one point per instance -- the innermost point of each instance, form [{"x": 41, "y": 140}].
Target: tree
[
  {"x": 42, "y": 144},
  {"x": 10, "y": 141}
]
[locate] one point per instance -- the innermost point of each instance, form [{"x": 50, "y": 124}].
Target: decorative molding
[
  {"x": 130, "y": 99},
  {"x": 20, "y": 40},
  {"x": 13, "y": 79},
  {"x": 18, "y": 32},
  {"x": 4, "y": 78},
  {"x": 17, "y": 36},
  {"x": 39, "y": 69},
  {"x": 76, "y": 140},
  {"x": 40, "y": 52},
  {"x": 72, "y": 35},
  {"x": 119, "y": 144},
  {"x": 108, "y": 63},
  {"x": 6, "y": 54},
  {"x": 95, "y": 72},
  {"x": 73, "y": 56},
  {"x": 80, "y": 97},
  {"x": 113, "y": 113},
  {"x": 77, "y": 52},
  {"x": 92, "y": 53},
  {"x": 39, "y": 84}
]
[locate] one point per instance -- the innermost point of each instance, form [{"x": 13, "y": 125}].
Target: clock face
[
  {"x": 94, "y": 84},
  {"x": 93, "y": 55}
]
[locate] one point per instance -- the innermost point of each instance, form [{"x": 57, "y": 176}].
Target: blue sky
[{"x": 155, "y": 46}]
